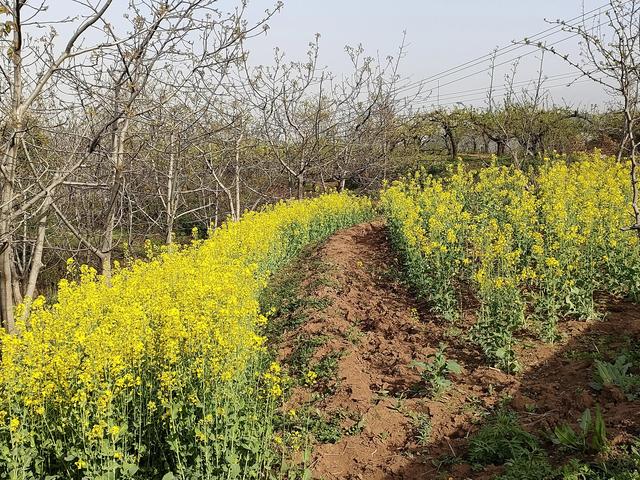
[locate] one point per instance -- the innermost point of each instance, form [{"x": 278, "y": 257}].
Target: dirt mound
[
  {"x": 367, "y": 329},
  {"x": 372, "y": 324}
]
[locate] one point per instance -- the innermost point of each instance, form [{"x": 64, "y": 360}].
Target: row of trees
[
  {"x": 517, "y": 131},
  {"x": 145, "y": 125}
]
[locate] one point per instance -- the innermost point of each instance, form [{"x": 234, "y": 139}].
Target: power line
[
  {"x": 476, "y": 91},
  {"x": 472, "y": 100},
  {"x": 536, "y": 38},
  {"x": 504, "y": 50},
  {"x": 505, "y": 62}
]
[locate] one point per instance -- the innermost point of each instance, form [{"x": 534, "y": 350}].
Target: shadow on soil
[{"x": 554, "y": 388}]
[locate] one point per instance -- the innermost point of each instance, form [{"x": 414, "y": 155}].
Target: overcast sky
[{"x": 440, "y": 34}]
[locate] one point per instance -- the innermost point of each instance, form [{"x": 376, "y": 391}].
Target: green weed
[
  {"x": 502, "y": 440},
  {"x": 435, "y": 372},
  {"x": 616, "y": 374},
  {"x": 591, "y": 434}
]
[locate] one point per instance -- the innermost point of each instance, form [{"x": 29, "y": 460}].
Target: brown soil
[{"x": 378, "y": 328}]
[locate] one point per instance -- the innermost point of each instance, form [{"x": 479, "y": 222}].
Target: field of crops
[
  {"x": 168, "y": 371},
  {"x": 530, "y": 248},
  {"x": 162, "y": 374}
]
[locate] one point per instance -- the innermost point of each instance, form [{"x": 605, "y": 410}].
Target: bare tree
[
  {"x": 610, "y": 56},
  {"x": 86, "y": 99}
]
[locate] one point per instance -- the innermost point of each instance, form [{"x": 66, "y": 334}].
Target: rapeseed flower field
[
  {"x": 162, "y": 372},
  {"x": 532, "y": 247}
]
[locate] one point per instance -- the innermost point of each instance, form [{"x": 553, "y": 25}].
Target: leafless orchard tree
[
  {"x": 73, "y": 112},
  {"x": 610, "y": 56},
  {"x": 310, "y": 118},
  {"x": 365, "y": 118}
]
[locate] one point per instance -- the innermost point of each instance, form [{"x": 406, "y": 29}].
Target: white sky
[{"x": 440, "y": 34}]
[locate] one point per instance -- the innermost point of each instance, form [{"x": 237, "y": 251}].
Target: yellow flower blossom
[
  {"x": 178, "y": 333},
  {"x": 14, "y": 424}
]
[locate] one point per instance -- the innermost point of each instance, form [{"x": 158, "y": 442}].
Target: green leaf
[
  {"x": 453, "y": 366},
  {"x": 599, "y": 439},
  {"x": 585, "y": 421},
  {"x": 234, "y": 470},
  {"x": 130, "y": 469}
]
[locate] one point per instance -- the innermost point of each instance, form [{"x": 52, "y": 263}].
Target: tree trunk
[
  {"x": 36, "y": 261},
  {"x": 451, "y": 142},
  {"x": 300, "y": 186},
  {"x": 6, "y": 237},
  {"x": 170, "y": 193},
  {"x": 118, "y": 172},
  {"x": 238, "y": 207},
  {"x": 11, "y": 155},
  {"x": 107, "y": 246},
  {"x": 343, "y": 182},
  {"x": 216, "y": 212}
]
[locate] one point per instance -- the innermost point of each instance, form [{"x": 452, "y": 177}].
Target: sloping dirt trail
[{"x": 372, "y": 325}]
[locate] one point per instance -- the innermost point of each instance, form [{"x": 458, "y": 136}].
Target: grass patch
[{"x": 502, "y": 440}]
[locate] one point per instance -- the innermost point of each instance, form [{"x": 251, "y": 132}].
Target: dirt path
[
  {"x": 360, "y": 334},
  {"x": 371, "y": 322}
]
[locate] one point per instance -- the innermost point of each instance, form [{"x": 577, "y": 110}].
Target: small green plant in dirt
[
  {"x": 423, "y": 427},
  {"x": 594, "y": 346},
  {"x": 329, "y": 427},
  {"x": 326, "y": 430},
  {"x": 503, "y": 440},
  {"x": 616, "y": 374},
  {"x": 298, "y": 424},
  {"x": 323, "y": 280},
  {"x": 354, "y": 334},
  {"x": 435, "y": 372},
  {"x": 583, "y": 355},
  {"x": 622, "y": 464},
  {"x": 327, "y": 367},
  {"x": 318, "y": 303},
  {"x": 475, "y": 407},
  {"x": 305, "y": 347},
  {"x": 591, "y": 434},
  {"x": 357, "y": 421},
  {"x": 529, "y": 467},
  {"x": 322, "y": 374},
  {"x": 454, "y": 332},
  {"x": 444, "y": 461}
]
